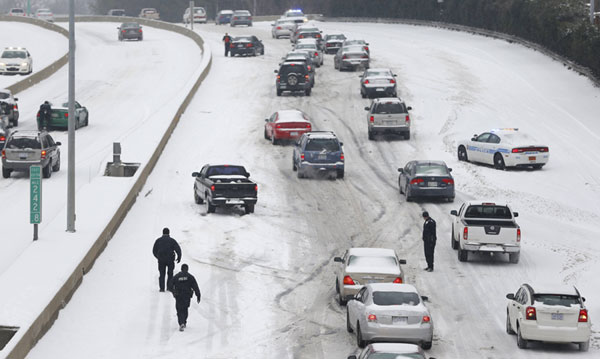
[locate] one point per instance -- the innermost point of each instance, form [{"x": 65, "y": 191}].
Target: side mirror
[
  {"x": 409, "y": 108},
  {"x": 266, "y": 120},
  {"x": 367, "y": 108},
  {"x": 395, "y": 75},
  {"x": 341, "y": 143},
  {"x": 583, "y": 299},
  {"x": 276, "y": 71},
  {"x": 424, "y": 298},
  {"x": 401, "y": 170},
  {"x": 247, "y": 174},
  {"x": 510, "y": 296},
  {"x": 474, "y": 137},
  {"x": 516, "y": 214},
  {"x": 273, "y": 24},
  {"x": 195, "y": 174},
  {"x": 338, "y": 259},
  {"x": 16, "y": 99},
  {"x": 454, "y": 212},
  {"x": 402, "y": 261},
  {"x": 449, "y": 169}
]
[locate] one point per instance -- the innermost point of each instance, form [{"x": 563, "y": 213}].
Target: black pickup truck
[{"x": 225, "y": 185}]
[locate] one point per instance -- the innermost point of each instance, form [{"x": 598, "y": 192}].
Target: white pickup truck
[{"x": 486, "y": 227}]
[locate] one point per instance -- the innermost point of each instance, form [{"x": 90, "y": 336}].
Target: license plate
[
  {"x": 293, "y": 133},
  {"x": 557, "y": 316},
  {"x": 322, "y": 157},
  {"x": 23, "y": 156},
  {"x": 234, "y": 201},
  {"x": 399, "y": 320},
  {"x": 432, "y": 184},
  {"x": 532, "y": 158},
  {"x": 380, "y": 89},
  {"x": 240, "y": 45}
]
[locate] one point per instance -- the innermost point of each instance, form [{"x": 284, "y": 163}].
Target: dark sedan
[
  {"x": 333, "y": 42},
  {"x": 430, "y": 179},
  {"x": 378, "y": 83},
  {"x": 130, "y": 30},
  {"x": 246, "y": 45}
]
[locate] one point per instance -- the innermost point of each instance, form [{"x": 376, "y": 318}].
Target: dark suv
[
  {"x": 318, "y": 152},
  {"x": 30, "y": 148},
  {"x": 293, "y": 76},
  {"x": 303, "y": 56}
]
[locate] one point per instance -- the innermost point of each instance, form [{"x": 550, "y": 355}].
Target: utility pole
[
  {"x": 592, "y": 10},
  {"x": 71, "y": 123},
  {"x": 254, "y": 9},
  {"x": 191, "y": 15}
]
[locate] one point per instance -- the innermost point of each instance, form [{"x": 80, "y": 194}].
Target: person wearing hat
[
  {"x": 183, "y": 289},
  {"x": 45, "y": 115},
  {"x": 227, "y": 42},
  {"x": 164, "y": 250},
  {"x": 429, "y": 238}
]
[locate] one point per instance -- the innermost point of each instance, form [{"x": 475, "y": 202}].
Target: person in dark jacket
[
  {"x": 183, "y": 289},
  {"x": 227, "y": 41},
  {"x": 429, "y": 238},
  {"x": 45, "y": 113},
  {"x": 165, "y": 248}
]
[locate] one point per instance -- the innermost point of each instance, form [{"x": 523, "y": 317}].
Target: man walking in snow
[
  {"x": 165, "y": 248},
  {"x": 227, "y": 41},
  {"x": 184, "y": 287},
  {"x": 45, "y": 113},
  {"x": 429, "y": 239}
]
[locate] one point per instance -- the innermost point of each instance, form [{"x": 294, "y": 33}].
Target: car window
[
  {"x": 431, "y": 169},
  {"x": 23, "y": 142},
  {"x": 389, "y": 108},
  {"x": 488, "y": 211},
  {"x": 45, "y": 142},
  {"x": 557, "y": 299},
  {"x": 226, "y": 171},
  {"x": 51, "y": 142},
  {"x": 292, "y": 68},
  {"x": 395, "y": 298},
  {"x": 407, "y": 168},
  {"x": 370, "y": 73},
  {"x": 483, "y": 137},
  {"x": 322, "y": 144},
  {"x": 461, "y": 209},
  {"x": 14, "y": 54},
  {"x": 360, "y": 294},
  {"x": 4, "y": 95},
  {"x": 372, "y": 261},
  {"x": 493, "y": 139}
]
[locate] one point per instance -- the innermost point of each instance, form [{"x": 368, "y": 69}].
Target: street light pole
[
  {"x": 592, "y": 10},
  {"x": 71, "y": 123}
]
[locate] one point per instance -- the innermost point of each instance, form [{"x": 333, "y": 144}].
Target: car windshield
[
  {"x": 226, "y": 171},
  {"x": 336, "y": 37},
  {"x": 308, "y": 29},
  {"x": 557, "y": 299},
  {"x": 130, "y": 25},
  {"x": 488, "y": 211},
  {"x": 11, "y": 54},
  {"x": 395, "y": 356},
  {"x": 14, "y": 11},
  {"x": 149, "y": 11},
  {"x": 431, "y": 169},
  {"x": 322, "y": 144},
  {"x": 372, "y": 261},
  {"x": 118, "y": 12},
  {"x": 306, "y": 46},
  {"x": 243, "y": 38},
  {"x": 353, "y": 48},
  {"x": 355, "y": 42},
  {"x": 389, "y": 107},
  {"x": 242, "y": 13},
  {"x": 292, "y": 68},
  {"x": 371, "y": 73},
  {"x": 4, "y": 95},
  {"x": 23, "y": 142},
  {"x": 199, "y": 11},
  {"x": 294, "y": 13},
  {"x": 395, "y": 298}
]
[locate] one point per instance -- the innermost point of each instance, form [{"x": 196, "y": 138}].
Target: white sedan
[
  {"x": 504, "y": 148},
  {"x": 15, "y": 60},
  {"x": 388, "y": 312}
]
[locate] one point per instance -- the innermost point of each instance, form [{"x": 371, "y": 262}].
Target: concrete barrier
[
  {"x": 571, "y": 65},
  {"x": 46, "y": 71},
  {"x": 45, "y": 319}
]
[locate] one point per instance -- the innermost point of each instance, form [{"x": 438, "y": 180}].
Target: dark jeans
[
  {"x": 226, "y": 49},
  {"x": 168, "y": 267},
  {"x": 429, "y": 246},
  {"x": 182, "y": 303}
]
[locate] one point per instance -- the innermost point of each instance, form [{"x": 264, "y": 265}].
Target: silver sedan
[
  {"x": 310, "y": 45},
  {"x": 386, "y": 312},
  {"x": 351, "y": 57},
  {"x": 282, "y": 27}
]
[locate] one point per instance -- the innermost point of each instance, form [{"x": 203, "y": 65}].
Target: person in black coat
[
  {"x": 183, "y": 288},
  {"x": 429, "y": 238},
  {"x": 165, "y": 248},
  {"x": 227, "y": 41},
  {"x": 45, "y": 113}
]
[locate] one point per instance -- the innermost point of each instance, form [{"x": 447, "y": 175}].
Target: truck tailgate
[{"x": 492, "y": 232}]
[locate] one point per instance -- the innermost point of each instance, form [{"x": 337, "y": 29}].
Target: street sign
[{"x": 35, "y": 194}]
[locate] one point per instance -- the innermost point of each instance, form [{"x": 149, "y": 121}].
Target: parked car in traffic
[
  {"x": 149, "y": 13},
  {"x": 16, "y": 11},
  {"x": 548, "y": 314},
  {"x": 223, "y": 17},
  {"x": 378, "y": 83},
  {"x": 303, "y": 56},
  {"x": 282, "y": 27},
  {"x": 388, "y": 312},
  {"x": 333, "y": 42},
  {"x": 9, "y": 106},
  {"x": 28, "y": 148},
  {"x": 286, "y": 125},
  {"x": 388, "y": 115},
  {"x": 15, "y": 60},
  {"x": 360, "y": 266},
  {"x": 426, "y": 179},
  {"x": 310, "y": 46},
  {"x": 225, "y": 186},
  {"x": 390, "y": 351},
  {"x": 363, "y": 43},
  {"x": 351, "y": 57},
  {"x": 116, "y": 12},
  {"x": 241, "y": 17},
  {"x": 198, "y": 16},
  {"x": 130, "y": 30},
  {"x": 44, "y": 14},
  {"x": 293, "y": 76},
  {"x": 59, "y": 117},
  {"x": 246, "y": 45},
  {"x": 318, "y": 152}
]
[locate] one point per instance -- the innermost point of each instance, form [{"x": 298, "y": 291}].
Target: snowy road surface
[
  {"x": 267, "y": 278},
  {"x": 45, "y": 46}
]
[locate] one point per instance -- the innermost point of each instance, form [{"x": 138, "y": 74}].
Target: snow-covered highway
[{"x": 267, "y": 278}]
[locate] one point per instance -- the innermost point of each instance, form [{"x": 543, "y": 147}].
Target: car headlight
[
  {"x": 24, "y": 64},
  {"x": 2, "y": 64}
]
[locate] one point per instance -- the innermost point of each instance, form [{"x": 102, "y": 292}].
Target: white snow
[{"x": 267, "y": 278}]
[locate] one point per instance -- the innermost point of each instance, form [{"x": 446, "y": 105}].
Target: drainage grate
[{"x": 6, "y": 334}]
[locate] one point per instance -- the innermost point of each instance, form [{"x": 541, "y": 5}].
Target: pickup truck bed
[{"x": 225, "y": 185}]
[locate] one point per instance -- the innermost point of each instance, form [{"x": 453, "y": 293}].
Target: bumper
[
  {"x": 286, "y": 87},
  {"x": 524, "y": 160},
  {"x": 306, "y": 167},
  {"x": 355, "y": 63},
  {"x": 533, "y": 331},
  {"x": 413, "y": 333},
  {"x": 389, "y": 129},
  {"x": 241, "y": 22},
  {"x": 22, "y": 166},
  {"x": 430, "y": 192},
  {"x": 131, "y": 36},
  {"x": 242, "y": 51},
  {"x": 222, "y": 201},
  {"x": 56, "y": 123},
  {"x": 383, "y": 90},
  {"x": 14, "y": 70},
  {"x": 290, "y": 134},
  {"x": 490, "y": 247}
]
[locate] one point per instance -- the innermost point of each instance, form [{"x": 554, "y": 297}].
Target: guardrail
[
  {"x": 571, "y": 65},
  {"x": 45, "y": 319},
  {"x": 46, "y": 71}
]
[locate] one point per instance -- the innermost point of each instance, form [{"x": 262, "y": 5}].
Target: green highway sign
[{"x": 35, "y": 194}]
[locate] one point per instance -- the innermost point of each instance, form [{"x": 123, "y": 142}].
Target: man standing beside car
[
  {"x": 164, "y": 251},
  {"x": 227, "y": 41},
  {"x": 429, "y": 239},
  {"x": 45, "y": 113}
]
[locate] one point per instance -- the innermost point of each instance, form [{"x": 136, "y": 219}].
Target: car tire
[
  {"x": 409, "y": 198},
  {"x": 87, "y": 119},
  {"x": 463, "y": 255},
  {"x": 274, "y": 141},
  {"x": 47, "y": 171},
  {"x": 584, "y": 346},
  {"x": 363, "y": 95},
  {"x": 450, "y": 199},
  {"x": 6, "y": 172},
  {"x": 521, "y": 343},
  {"x": 462, "y": 154},
  {"x": 407, "y": 135},
  {"x": 359, "y": 339},
  {"x": 395, "y": 94},
  {"x": 197, "y": 198},
  {"x": 294, "y": 168},
  {"x": 370, "y": 136},
  {"x": 307, "y": 92},
  {"x": 265, "y": 134},
  {"x": 15, "y": 123},
  {"x": 56, "y": 166},
  {"x": 262, "y": 51},
  {"x": 279, "y": 92},
  {"x": 426, "y": 345},
  {"x": 535, "y": 167},
  {"x": 210, "y": 208},
  {"x": 300, "y": 174},
  {"x": 453, "y": 242},
  {"x": 514, "y": 257},
  {"x": 340, "y": 174},
  {"x": 499, "y": 162},
  {"x": 348, "y": 326},
  {"x": 335, "y": 65},
  {"x": 249, "y": 208},
  {"x": 509, "y": 329}
]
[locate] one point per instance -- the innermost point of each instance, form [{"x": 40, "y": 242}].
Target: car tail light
[
  {"x": 543, "y": 149},
  {"x": 318, "y": 36},
  {"x": 372, "y": 318},
  {"x": 278, "y": 126},
  {"x": 466, "y": 233},
  {"x": 212, "y": 188},
  {"x": 301, "y": 36},
  {"x": 308, "y": 125},
  {"x": 123, "y": 31},
  {"x": 316, "y": 54},
  {"x": 366, "y": 48},
  {"x": 365, "y": 56},
  {"x": 278, "y": 27},
  {"x": 249, "y": 45},
  {"x": 235, "y": 17},
  {"x": 366, "y": 82},
  {"x": 398, "y": 280},
  {"x": 302, "y": 158},
  {"x": 292, "y": 64},
  {"x": 306, "y": 77},
  {"x": 372, "y": 119},
  {"x": 344, "y": 57},
  {"x": 348, "y": 280},
  {"x": 38, "y": 114},
  {"x": 15, "y": 107},
  {"x": 530, "y": 313},
  {"x": 66, "y": 114},
  {"x": 426, "y": 319},
  {"x": 3, "y": 154},
  {"x": 518, "y": 234},
  {"x": 448, "y": 181},
  {"x": 407, "y": 119},
  {"x": 249, "y": 17},
  {"x": 583, "y": 316},
  {"x": 308, "y": 67},
  {"x": 255, "y": 188},
  {"x": 278, "y": 78},
  {"x": 417, "y": 181},
  {"x": 517, "y": 150},
  {"x": 392, "y": 81},
  {"x": 140, "y": 30},
  {"x": 232, "y": 46},
  {"x": 43, "y": 154},
  {"x": 342, "y": 156},
  {"x": 2, "y": 138}
]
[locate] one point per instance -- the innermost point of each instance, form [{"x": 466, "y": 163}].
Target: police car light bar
[{"x": 504, "y": 129}]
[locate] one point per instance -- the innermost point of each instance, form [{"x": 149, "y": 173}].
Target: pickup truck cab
[
  {"x": 485, "y": 227},
  {"x": 225, "y": 185}
]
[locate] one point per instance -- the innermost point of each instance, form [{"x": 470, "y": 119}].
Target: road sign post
[{"x": 35, "y": 198}]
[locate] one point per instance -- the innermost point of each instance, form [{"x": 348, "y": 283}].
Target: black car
[
  {"x": 429, "y": 179},
  {"x": 225, "y": 186},
  {"x": 303, "y": 56},
  {"x": 246, "y": 45},
  {"x": 130, "y": 30},
  {"x": 293, "y": 76}
]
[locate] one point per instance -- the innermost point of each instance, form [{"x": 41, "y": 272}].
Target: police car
[
  {"x": 15, "y": 60},
  {"x": 505, "y": 147}
]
